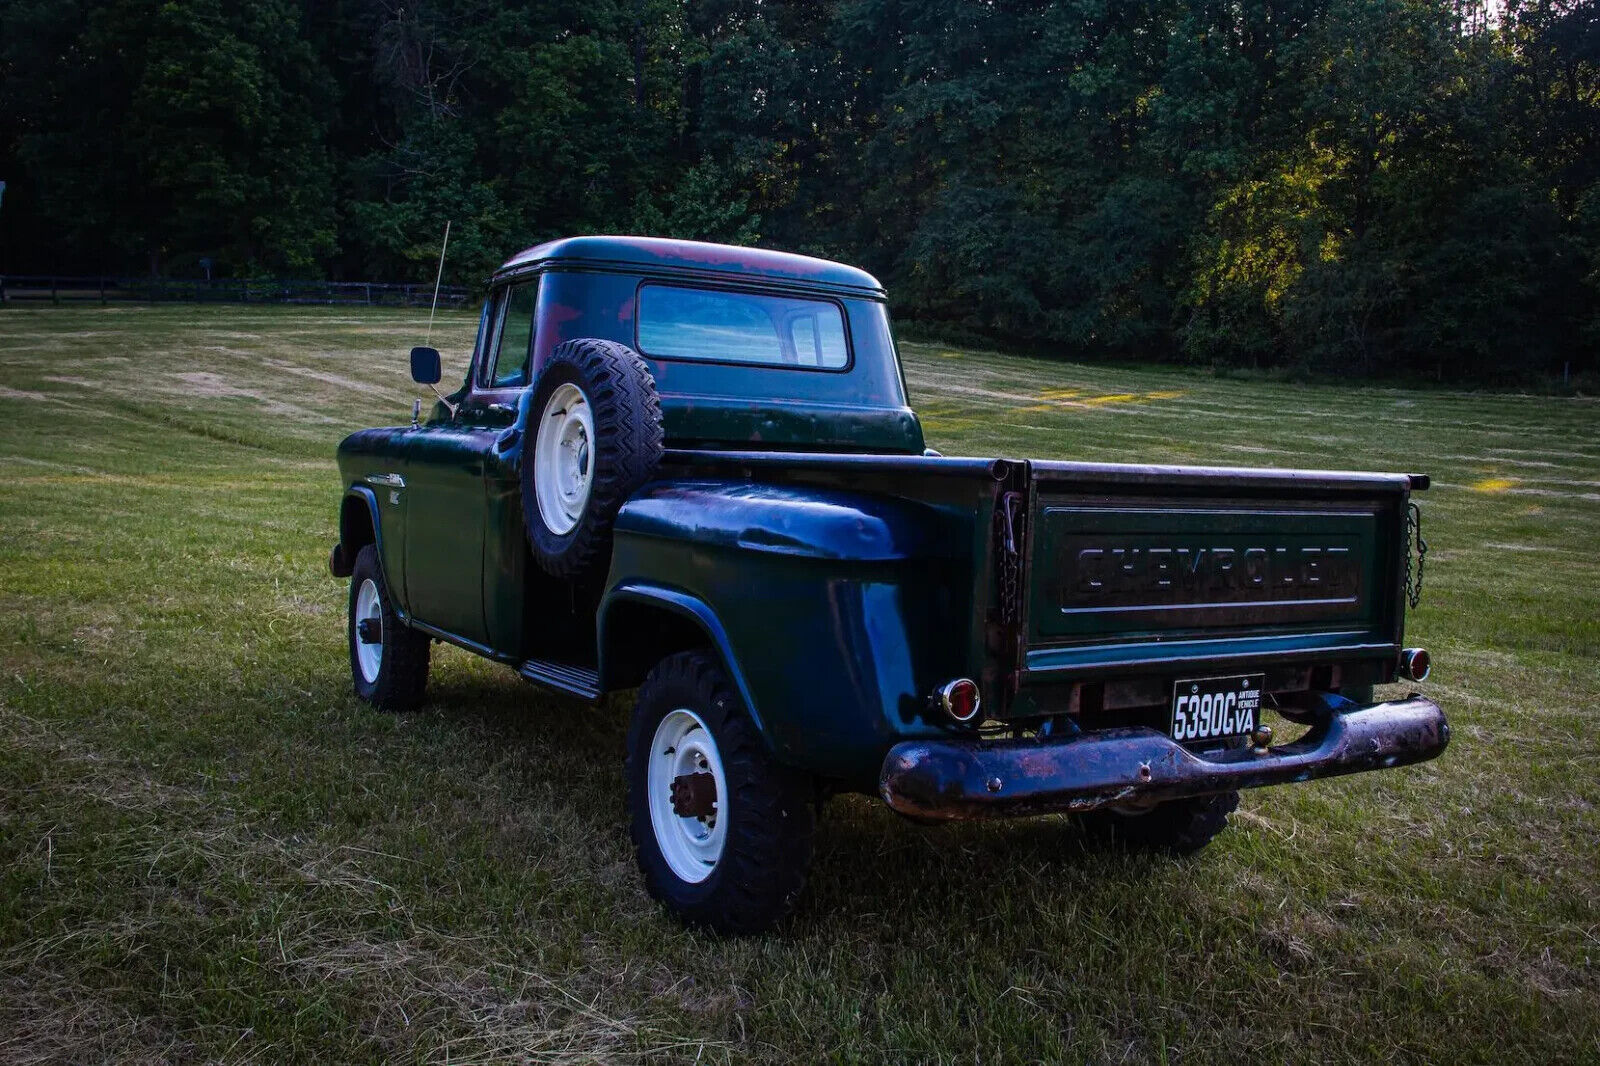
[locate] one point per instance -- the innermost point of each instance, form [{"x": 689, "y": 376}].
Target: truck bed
[{"x": 1091, "y": 586}]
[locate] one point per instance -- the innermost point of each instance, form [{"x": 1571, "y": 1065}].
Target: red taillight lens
[
  {"x": 959, "y": 700},
  {"x": 1415, "y": 664}
]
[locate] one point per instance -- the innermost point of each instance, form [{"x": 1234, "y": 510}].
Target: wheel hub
[
  {"x": 563, "y": 468},
  {"x": 694, "y": 795},
  {"x": 685, "y": 785},
  {"x": 368, "y": 621}
]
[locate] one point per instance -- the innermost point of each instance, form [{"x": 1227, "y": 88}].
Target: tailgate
[{"x": 1147, "y": 569}]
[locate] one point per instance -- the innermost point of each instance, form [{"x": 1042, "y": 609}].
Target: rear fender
[
  {"x": 621, "y": 668},
  {"x": 836, "y": 610}
]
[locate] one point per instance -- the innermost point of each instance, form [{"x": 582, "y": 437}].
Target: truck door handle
[{"x": 502, "y": 409}]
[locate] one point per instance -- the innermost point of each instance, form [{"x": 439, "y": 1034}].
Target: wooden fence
[{"x": 59, "y": 289}]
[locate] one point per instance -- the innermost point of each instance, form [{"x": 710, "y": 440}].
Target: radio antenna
[
  {"x": 436, "y": 279},
  {"x": 448, "y": 406}
]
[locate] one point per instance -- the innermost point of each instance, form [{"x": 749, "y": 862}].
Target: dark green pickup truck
[{"x": 692, "y": 470}]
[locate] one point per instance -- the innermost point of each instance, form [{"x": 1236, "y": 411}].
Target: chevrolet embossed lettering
[{"x": 1238, "y": 572}]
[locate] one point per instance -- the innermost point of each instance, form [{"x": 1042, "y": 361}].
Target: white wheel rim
[
  {"x": 691, "y": 845},
  {"x": 564, "y": 459},
  {"x": 369, "y": 657}
]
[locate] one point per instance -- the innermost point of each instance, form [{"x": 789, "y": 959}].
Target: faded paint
[{"x": 631, "y": 254}]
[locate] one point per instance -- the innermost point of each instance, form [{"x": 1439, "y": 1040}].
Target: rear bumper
[{"x": 956, "y": 779}]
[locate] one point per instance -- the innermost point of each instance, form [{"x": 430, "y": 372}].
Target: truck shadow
[
  {"x": 866, "y": 852},
  {"x": 564, "y": 760}
]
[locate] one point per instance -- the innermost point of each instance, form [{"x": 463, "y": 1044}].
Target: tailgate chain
[
  {"x": 1007, "y": 523},
  {"x": 1414, "y": 533}
]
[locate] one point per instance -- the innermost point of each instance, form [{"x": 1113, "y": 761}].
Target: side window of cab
[
  {"x": 488, "y": 322},
  {"x": 504, "y": 360}
]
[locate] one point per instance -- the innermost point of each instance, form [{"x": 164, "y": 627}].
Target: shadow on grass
[{"x": 871, "y": 868}]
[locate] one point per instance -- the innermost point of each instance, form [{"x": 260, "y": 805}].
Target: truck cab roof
[
  {"x": 660, "y": 255},
  {"x": 749, "y": 348}
]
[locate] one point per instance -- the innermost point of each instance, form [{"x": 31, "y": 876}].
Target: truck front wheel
[
  {"x": 388, "y": 659},
  {"x": 1180, "y": 827},
  {"x": 722, "y": 833}
]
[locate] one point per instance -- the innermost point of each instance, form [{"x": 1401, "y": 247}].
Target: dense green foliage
[{"x": 1349, "y": 186}]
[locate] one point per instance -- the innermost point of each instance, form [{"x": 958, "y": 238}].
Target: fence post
[
  {"x": 102, "y": 290},
  {"x": 54, "y": 297}
]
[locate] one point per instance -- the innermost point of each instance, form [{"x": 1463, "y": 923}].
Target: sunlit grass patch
[{"x": 1494, "y": 485}]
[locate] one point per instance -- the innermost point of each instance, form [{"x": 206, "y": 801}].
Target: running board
[{"x": 573, "y": 680}]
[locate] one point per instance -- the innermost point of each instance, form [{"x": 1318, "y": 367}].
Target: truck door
[{"x": 450, "y": 460}]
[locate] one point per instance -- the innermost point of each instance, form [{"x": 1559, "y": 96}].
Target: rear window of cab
[{"x": 729, "y": 326}]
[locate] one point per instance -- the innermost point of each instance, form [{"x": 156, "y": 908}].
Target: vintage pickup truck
[{"x": 692, "y": 470}]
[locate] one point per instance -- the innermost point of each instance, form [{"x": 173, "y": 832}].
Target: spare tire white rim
[
  {"x": 564, "y": 459},
  {"x": 684, "y": 746},
  {"x": 369, "y": 657}
]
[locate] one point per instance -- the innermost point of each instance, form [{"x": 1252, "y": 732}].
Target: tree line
[{"x": 1359, "y": 187}]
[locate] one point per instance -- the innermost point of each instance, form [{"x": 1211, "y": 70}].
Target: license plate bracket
[{"x": 1215, "y": 708}]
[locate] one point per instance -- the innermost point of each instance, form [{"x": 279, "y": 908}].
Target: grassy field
[{"x": 210, "y": 850}]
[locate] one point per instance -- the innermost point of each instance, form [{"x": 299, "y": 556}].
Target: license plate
[{"x": 1210, "y": 708}]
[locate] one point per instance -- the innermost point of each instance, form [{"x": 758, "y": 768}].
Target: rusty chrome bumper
[{"x": 962, "y": 779}]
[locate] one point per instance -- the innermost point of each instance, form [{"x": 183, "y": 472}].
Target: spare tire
[{"x": 593, "y": 437}]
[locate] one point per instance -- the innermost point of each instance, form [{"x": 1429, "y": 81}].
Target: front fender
[{"x": 360, "y": 524}]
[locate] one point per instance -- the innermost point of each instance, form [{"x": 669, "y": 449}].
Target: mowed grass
[{"x": 210, "y": 850}]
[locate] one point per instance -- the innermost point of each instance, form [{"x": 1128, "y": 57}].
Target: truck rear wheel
[
  {"x": 722, "y": 833},
  {"x": 1179, "y": 827},
  {"x": 593, "y": 437},
  {"x": 388, "y": 659}
]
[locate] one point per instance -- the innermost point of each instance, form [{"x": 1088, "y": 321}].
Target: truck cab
[{"x": 693, "y": 470}]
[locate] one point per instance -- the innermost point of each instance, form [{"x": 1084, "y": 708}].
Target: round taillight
[
  {"x": 1415, "y": 664},
  {"x": 959, "y": 700}
]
